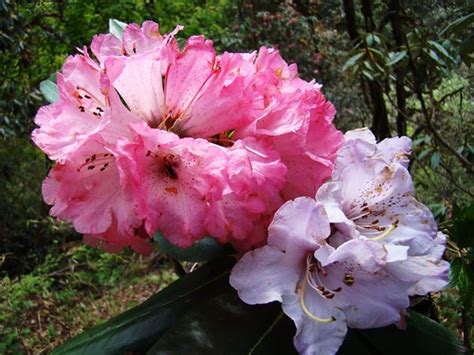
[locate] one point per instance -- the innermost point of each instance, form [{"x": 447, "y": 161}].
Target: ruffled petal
[
  {"x": 177, "y": 179},
  {"x": 314, "y": 337},
  {"x": 265, "y": 275},
  {"x": 138, "y": 80}
]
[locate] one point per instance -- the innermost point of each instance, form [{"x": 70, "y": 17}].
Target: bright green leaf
[
  {"x": 49, "y": 89},
  {"x": 116, "y": 27}
]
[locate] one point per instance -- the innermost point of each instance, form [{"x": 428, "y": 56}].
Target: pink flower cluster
[{"x": 148, "y": 137}]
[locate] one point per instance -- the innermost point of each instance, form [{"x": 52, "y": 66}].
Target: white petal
[
  {"x": 266, "y": 274},
  {"x": 299, "y": 224},
  {"x": 313, "y": 337},
  {"x": 364, "y": 134}
]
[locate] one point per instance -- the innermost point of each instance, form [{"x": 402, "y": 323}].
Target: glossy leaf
[
  {"x": 138, "y": 328},
  {"x": 116, "y": 27},
  {"x": 203, "y": 250},
  {"x": 223, "y": 324},
  {"x": 422, "y": 336}
]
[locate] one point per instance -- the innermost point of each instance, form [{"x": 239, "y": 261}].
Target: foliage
[
  {"x": 462, "y": 265},
  {"x": 74, "y": 288}
]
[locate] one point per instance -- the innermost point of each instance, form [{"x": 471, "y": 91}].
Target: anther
[{"x": 348, "y": 279}]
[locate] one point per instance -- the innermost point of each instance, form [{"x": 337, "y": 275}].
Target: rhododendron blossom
[
  {"x": 352, "y": 256},
  {"x": 148, "y": 137}
]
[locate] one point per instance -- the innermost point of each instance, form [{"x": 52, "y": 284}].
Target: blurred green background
[{"x": 401, "y": 70}]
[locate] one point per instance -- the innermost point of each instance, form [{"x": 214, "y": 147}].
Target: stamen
[
  {"x": 387, "y": 232},
  {"x": 307, "y": 311},
  {"x": 88, "y": 95},
  {"x": 255, "y": 152},
  {"x": 362, "y": 215}
]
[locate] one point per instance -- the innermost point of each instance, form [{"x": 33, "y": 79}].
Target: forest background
[{"x": 400, "y": 67}]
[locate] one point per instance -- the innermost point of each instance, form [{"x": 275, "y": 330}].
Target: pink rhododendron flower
[
  {"x": 198, "y": 143},
  {"x": 352, "y": 256}
]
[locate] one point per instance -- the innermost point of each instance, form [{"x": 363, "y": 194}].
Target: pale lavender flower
[{"x": 352, "y": 256}]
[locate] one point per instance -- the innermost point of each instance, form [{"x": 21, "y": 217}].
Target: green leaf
[
  {"x": 223, "y": 324},
  {"x": 116, "y": 27},
  {"x": 461, "y": 275},
  {"x": 435, "y": 159},
  {"x": 369, "y": 39},
  {"x": 462, "y": 226},
  {"x": 352, "y": 60},
  {"x": 203, "y": 250},
  {"x": 395, "y": 57},
  {"x": 368, "y": 75},
  {"x": 422, "y": 336},
  {"x": 49, "y": 89},
  {"x": 459, "y": 25},
  {"x": 138, "y": 328},
  {"x": 432, "y": 54},
  {"x": 442, "y": 51},
  {"x": 424, "y": 153}
]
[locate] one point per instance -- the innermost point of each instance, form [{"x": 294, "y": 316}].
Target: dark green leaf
[
  {"x": 116, "y": 27},
  {"x": 462, "y": 226},
  {"x": 223, "y": 324},
  {"x": 138, "y": 328},
  {"x": 435, "y": 159},
  {"x": 422, "y": 336},
  {"x": 424, "y": 153},
  {"x": 49, "y": 89},
  {"x": 203, "y": 250},
  {"x": 461, "y": 275},
  {"x": 459, "y": 25}
]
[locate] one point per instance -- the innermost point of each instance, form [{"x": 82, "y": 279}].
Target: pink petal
[
  {"x": 138, "y": 80},
  {"x": 188, "y": 74}
]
